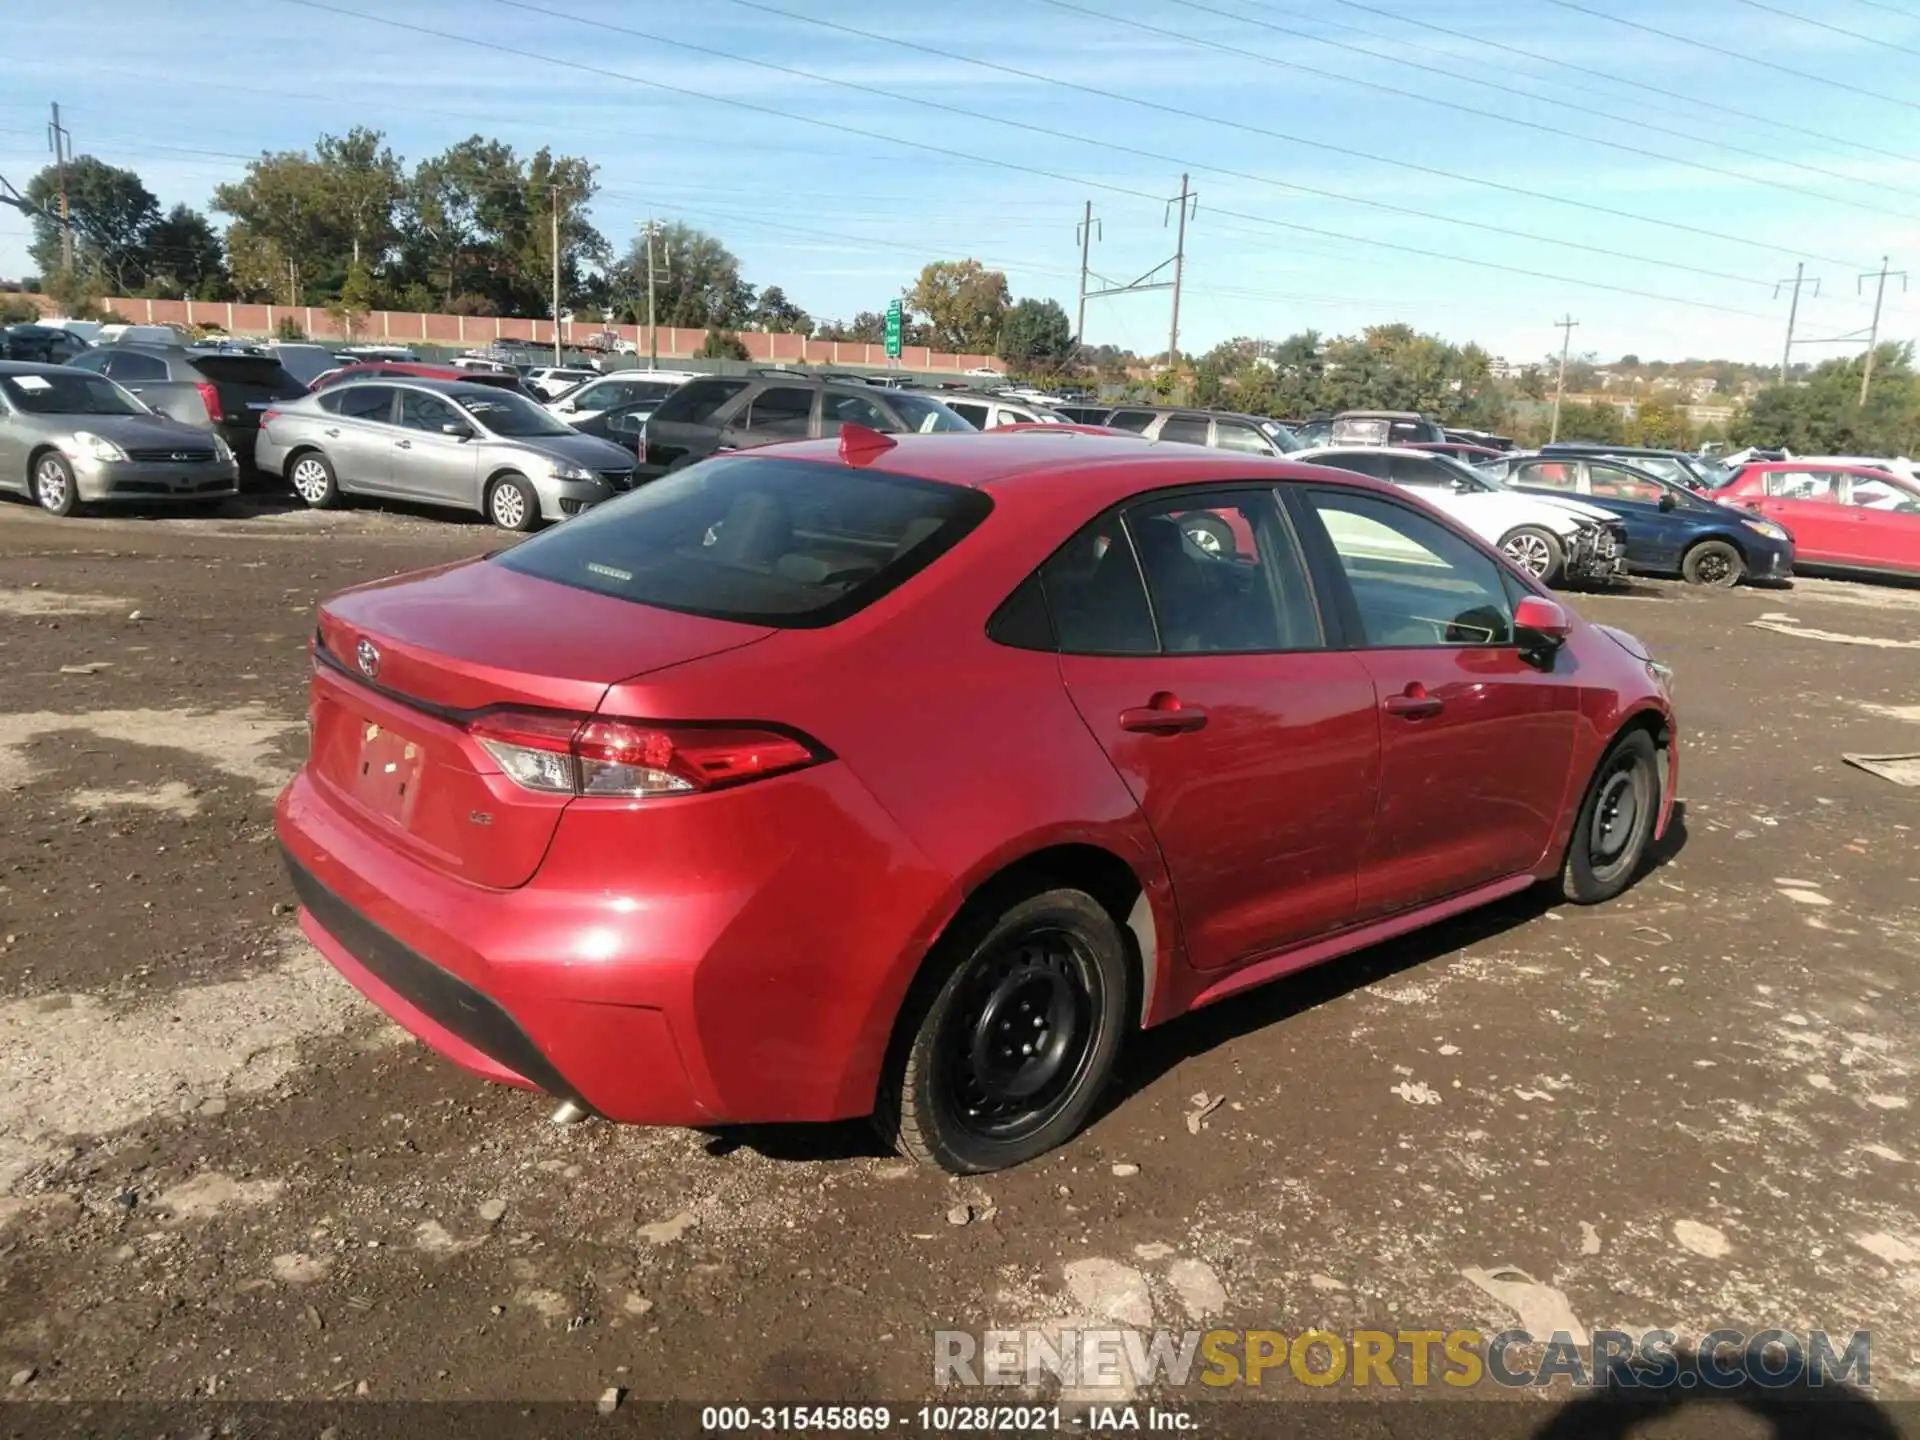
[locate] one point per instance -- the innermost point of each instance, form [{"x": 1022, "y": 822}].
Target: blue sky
[{"x": 1701, "y": 215}]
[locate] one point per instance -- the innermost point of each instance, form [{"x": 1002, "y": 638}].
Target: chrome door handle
[
  {"x": 404, "y": 444},
  {"x": 333, "y": 434}
]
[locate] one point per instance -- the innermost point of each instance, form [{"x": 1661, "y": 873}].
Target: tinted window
[
  {"x": 364, "y": 402},
  {"x": 1096, "y": 596},
  {"x": 421, "y": 411},
  {"x": 1360, "y": 462},
  {"x": 259, "y": 370},
  {"x": 1012, "y": 417},
  {"x": 127, "y": 366},
  {"x": 1134, "y": 420},
  {"x": 971, "y": 411},
  {"x": 697, "y": 401},
  {"x": 762, "y": 541},
  {"x": 1414, "y": 582},
  {"x": 91, "y": 360},
  {"x": 1184, "y": 430},
  {"x": 1222, "y": 575},
  {"x": 1234, "y": 435},
  {"x": 1417, "y": 470},
  {"x": 837, "y": 409},
  {"x": 782, "y": 410}
]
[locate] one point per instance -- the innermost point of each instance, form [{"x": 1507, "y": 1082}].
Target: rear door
[
  {"x": 1476, "y": 738},
  {"x": 359, "y": 435},
  {"x": 1249, "y": 745},
  {"x": 688, "y": 422},
  {"x": 427, "y": 463},
  {"x": 773, "y": 413}
]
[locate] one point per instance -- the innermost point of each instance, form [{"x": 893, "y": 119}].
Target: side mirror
[
  {"x": 1667, "y": 502},
  {"x": 457, "y": 430},
  {"x": 1542, "y": 618}
]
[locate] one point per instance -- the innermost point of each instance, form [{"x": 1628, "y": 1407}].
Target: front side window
[
  {"x": 421, "y": 411},
  {"x": 784, "y": 411},
  {"x": 1415, "y": 583},
  {"x": 922, "y": 416},
  {"x": 974, "y": 413},
  {"x": 1418, "y": 471},
  {"x": 1614, "y": 484},
  {"x": 1222, "y": 574},
  {"x": 837, "y": 410},
  {"x": 1134, "y": 420},
  {"x": 1883, "y": 494},
  {"x": 504, "y": 413},
  {"x": 1184, "y": 430},
  {"x": 1546, "y": 475},
  {"x": 1802, "y": 484},
  {"x": 1241, "y": 438}
]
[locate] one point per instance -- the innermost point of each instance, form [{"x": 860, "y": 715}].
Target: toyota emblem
[
  {"x": 369, "y": 656},
  {"x": 181, "y": 455}
]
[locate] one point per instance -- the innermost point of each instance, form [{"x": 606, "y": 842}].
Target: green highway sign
[{"x": 895, "y": 317}]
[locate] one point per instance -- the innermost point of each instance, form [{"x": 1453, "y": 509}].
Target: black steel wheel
[
  {"x": 1013, "y": 1035},
  {"x": 1615, "y": 823}
]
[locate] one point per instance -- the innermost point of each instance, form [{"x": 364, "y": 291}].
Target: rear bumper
[{"x": 699, "y": 964}]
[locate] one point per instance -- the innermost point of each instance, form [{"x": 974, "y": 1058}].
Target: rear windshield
[
  {"x": 261, "y": 370},
  {"x": 763, "y": 541}
]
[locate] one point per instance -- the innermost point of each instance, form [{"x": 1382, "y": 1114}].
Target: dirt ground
[{"x": 223, "y": 1174}]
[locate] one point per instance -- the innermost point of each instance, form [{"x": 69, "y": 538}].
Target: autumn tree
[{"x": 963, "y": 303}]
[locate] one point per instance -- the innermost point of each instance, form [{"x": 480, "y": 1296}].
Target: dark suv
[
  {"x": 214, "y": 390},
  {"x": 706, "y": 416},
  {"x": 1246, "y": 434}
]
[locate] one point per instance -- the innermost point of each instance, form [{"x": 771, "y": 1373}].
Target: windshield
[
  {"x": 74, "y": 393},
  {"x": 925, "y": 416},
  {"x": 512, "y": 415}
]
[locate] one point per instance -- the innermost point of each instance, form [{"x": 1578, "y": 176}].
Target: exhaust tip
[{"x": 570, "y": 1112}]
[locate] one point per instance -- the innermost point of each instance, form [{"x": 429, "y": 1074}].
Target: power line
[
  {"x": 1541, "y": 126},
  {"x": 1580, "y": 9},
  {"x": 1505, "y": 232},
  {"x": 1717, "y": 104},
  {"x": 1823, "y": 25},
  {"x": 1074, "y": 180}
]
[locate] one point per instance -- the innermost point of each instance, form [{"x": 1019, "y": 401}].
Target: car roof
[
  {"x": 1846, "y": 467},
  {"x": 35, "y": 367},
  {"x": 458, "y": 389},
  {"x": 1013, "y": 462}
]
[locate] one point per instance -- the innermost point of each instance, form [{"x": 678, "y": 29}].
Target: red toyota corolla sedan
[{"x": 906, "y": 776}]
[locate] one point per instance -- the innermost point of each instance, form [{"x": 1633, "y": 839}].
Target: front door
[
  {"x": 428, "y": 463},
  {"x": 1476, "y": 738},
  {"x": 1884, "y": 518},
  {"x": 1251, "y": 748},
  {"x": 1653, "y": 538}
]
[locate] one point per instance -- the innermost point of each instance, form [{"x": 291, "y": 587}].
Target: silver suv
[{"x": 440, "y": 442}]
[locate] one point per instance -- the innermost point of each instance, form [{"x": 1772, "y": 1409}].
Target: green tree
[
  {"x": 963, "y": 303},
  {"x": 1602, "y": 424},
  {"x": 290, "y": 223},
  {"x": 723, "y": 345},
  {"x": 186, "y": 258},
  {"x": 364, "y": 184},
  {"x": 111, "y": 211},
  {"x": 869, "y": 327},
  {"x": 773, "y": 311},
  {"x": 1036, "y": 334},
  {"x": 357, "y": 297},
  {"x": 1662, "y": 425},
  {"x": 697, "y": 281},
  {"x": 1823, "y": 415}
]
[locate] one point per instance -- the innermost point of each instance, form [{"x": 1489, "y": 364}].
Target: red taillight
[
  {"x": 210, "y": 397},
  {"x": 266, "y": 415},
  {"x": 583, "y": 755}
]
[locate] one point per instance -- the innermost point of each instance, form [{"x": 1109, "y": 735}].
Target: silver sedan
[
  {"x": 440, "y": 442},
  {"x": 69, "y": 438}
]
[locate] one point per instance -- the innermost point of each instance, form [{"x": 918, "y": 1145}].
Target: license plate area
[{"x": 387, "y": 774}]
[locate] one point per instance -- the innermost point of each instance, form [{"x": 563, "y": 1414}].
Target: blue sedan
[{"x": 1670, "y": 529}]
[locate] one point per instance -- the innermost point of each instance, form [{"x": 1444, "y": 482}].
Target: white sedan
[
  {"x": 1550, "y": 538},
  {"x": 610, "y": 392}
]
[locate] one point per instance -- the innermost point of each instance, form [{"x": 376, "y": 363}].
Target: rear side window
[
  {"x": 788, "y": 543},
  {"x": 363, "y": 402},
  {"x": 1134, "y": 420},
  {"x": 783, "y": 410},
  {"x": 974, "y": 413},
  {"x": 1242, "y": 438},
  {"x": 697, "y": 401},
  {"x": 130, "y": 366},
  {"x": 1096, "y": 596},
  {"x": 257, "y": 370},
  {"x": 1184, "y": 430}
]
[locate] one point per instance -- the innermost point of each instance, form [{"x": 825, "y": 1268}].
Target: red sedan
[
  {"x": 906, "y": 776},
  {"x": 1842, "y": 517}
]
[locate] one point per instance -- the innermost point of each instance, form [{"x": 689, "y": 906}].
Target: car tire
[
  {"x": 1714, "y": 562},
  {"x": 512, "y": 503},
  {"x": 1615, "y": 823},
  {"x": 54, "y": 488},
  {"x": 313, "y": 480},
  {"x": 1054, "y": 964},
  {"x": 1537, "y": 551},
  {"x": 1209, "y": 533}
]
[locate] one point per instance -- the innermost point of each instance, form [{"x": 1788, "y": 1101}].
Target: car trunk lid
[{"x": 403, "y": 667}]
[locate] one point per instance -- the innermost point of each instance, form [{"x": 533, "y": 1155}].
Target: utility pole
[
  {"x": 556, "y": 275},
  {"x": 1086, "y": 246},
  {"x": 61, "y": 143},
  {"x": 1793, "y": 312},
  {"x": 1873, "y": 334},
  {"x": 1179, "y": 265},
  {"x": 656, "y": 270},
  {"x": 1566, "y": 328}
]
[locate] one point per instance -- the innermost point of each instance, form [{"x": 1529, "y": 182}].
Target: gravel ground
[{"x": 224, "y": 1176}]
